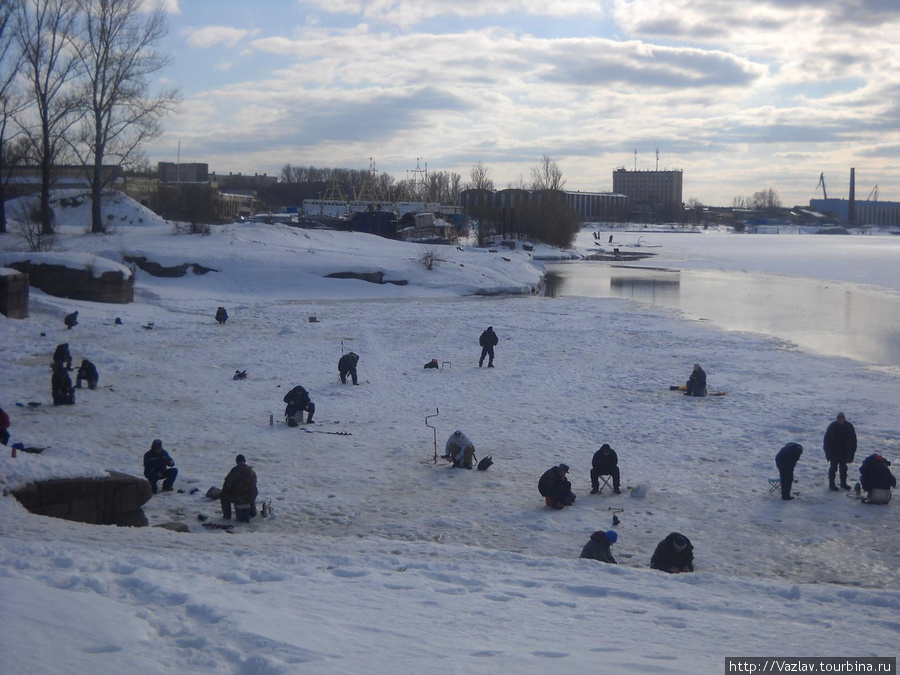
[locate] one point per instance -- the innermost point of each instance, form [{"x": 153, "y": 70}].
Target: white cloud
[{"x": 209, "y": 36}]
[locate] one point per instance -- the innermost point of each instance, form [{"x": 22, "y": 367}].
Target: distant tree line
[
  {"x": 75, "y": 87},
  {"x": 764, "y": 200}
]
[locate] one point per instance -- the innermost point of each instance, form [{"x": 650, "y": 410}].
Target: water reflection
[{"x": 840, "y": 320}]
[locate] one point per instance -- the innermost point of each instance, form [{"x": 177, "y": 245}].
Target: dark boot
[{"x": 832, "y": 486}]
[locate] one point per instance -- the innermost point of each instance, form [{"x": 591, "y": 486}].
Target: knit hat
[
  {"x": 605, "y": 446},
  {"x": 563, "y": 467},
  {"x": 611, "y": 536},
  {"x": 240, "y": 459},
  {"x": 156, "y": 444}
]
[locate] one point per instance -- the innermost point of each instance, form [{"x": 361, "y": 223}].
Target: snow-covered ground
[{"x": 378, "y": 560}]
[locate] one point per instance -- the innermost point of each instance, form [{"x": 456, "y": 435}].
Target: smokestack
[{"x": 851, "y": 207}]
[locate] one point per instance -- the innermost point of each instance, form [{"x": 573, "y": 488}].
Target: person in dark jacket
[
  {"x": 239, "y": 489},
  {"x": 297, "y": 400},
  {"x": 876, "y": 479},
  {"x": 347, "y": 366},
  {"x": 598, "y": 545},
  {"x": 432, "y": 364},
  {"x": 786, "y": 460},
  {"x": 555, "y": 488},
  {"x": 87, "y": 371},
  {"x": 159, "y": 466},
  {"x": 840, "y": 448},
  {"x": 61, "y": 386},
  {"x": 696, "y": 384},
  {"x": 4, "y": 427},
  {"x": 674, "y": 555},
  {"x": 605, "y": 463},
  {"x": 71, "y": 320},
  {"x": 488, "y": 341},
  {"x": 221, "y": 315},
  {"x": 62, "y": 356}
]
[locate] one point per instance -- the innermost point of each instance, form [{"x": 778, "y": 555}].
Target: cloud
[{"x": 210, "y": 36}]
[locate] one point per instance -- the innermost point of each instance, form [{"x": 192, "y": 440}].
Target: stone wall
[
  {"x": 67, "y": 282},
  {"x": 14, "y": 295},
  {"x": 115, "y": 500}
]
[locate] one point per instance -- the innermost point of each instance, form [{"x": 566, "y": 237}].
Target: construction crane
[
  {"x": 822, "y": 183},
  {"x": 873, "y": 192}
]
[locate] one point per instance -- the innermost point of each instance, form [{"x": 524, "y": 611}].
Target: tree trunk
[{"x": 97, "y": 196}]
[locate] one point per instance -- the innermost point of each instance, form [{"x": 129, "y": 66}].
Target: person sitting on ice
[
  {"x": 555, "y": 487},
  {"x": 459, "y": 450},
  {"x": 432, "y": 364},
  {"x": 876, "y": 479},
  {"x": 239, "y": 489},
  {"x": 221, "y": 315},
  {"x": 598, "y": 545},
  {"x": 298, "y": 400},
  {"x": 674, "y": 555},
  {"x": 61, "y": 386},
  {"x": 347, "y": 366},
  {"x": 158, "y": 465},
  {"x": 87, "y": 371},
  {"x": 71, "y": 320},
  {"x": 62, "y": 356},
  {"x": 605, "y": 462},
  {"x": 696, "y": 384}
]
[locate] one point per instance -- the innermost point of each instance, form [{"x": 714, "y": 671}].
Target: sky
[{"x": 742, "y": 97}]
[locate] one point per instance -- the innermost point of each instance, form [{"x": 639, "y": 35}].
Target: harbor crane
[
  {"x": 873, "y": 192},
  {"x": 822, "y": 183}
]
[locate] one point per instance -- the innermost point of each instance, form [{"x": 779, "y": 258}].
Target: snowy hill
[{"x": 380, "y": 560}]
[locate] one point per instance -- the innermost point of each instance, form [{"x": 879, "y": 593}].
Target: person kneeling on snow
[
  {"x": 555, "y": 487},
  {"x": 598, "y": 545},
  {"x": 239, "y": 489},
  {"x": 87, "y": 371},
  {"x": 674, "y": 554},
  {"x": 459, "y": 450},
  {"x": 159, "y": 466},
  {"x": 297, "y": 400},
  {"x": 876, "y": 479}
]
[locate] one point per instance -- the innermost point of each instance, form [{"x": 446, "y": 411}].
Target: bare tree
[
  {"x": 547, "y": 175},
  {"x": 45, "y": 30},
  {"x": 117, "y": 52},
  {"x": 12, "y": 102},
  {"x": 481, "y": 178}
]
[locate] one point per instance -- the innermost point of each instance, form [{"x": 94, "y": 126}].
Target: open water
[{"x": 835, "y": 319}]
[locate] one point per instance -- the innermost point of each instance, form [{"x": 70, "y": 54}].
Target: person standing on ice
[
  {"x": 62, "y": 356},
  {"x": 298, "y": 400},
  {"x": 4, "y": 427},
  {"x": 159, "y": 466},
  {"x": 61, "y": 386},
  {"x": 555, "y": 487},
  {"x": 239, "y": 489},
  {"x": 488, "y": 341},
  {"x": 459, "y": 450},
  {"x": 840, "y": 448},
  {"x": 696, "y": 384},
  {"x": 221, "y": 315},
  {"x": 598, "y": 545},
  {"x": 674, "y": 554},
  {"x": 347, "y": 366},
  {"x": 786, "y": 460}
]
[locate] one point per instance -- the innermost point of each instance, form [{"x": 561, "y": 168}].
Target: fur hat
[{"x": 563, "y": 467}]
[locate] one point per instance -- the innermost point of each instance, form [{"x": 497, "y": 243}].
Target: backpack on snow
[{"x": 485, "y": 463}]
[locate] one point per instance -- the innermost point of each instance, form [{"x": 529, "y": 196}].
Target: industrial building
[{"x": 652, "y": 195}]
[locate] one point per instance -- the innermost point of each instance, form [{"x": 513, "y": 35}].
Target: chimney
[{"x": 851, "y": 207}]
